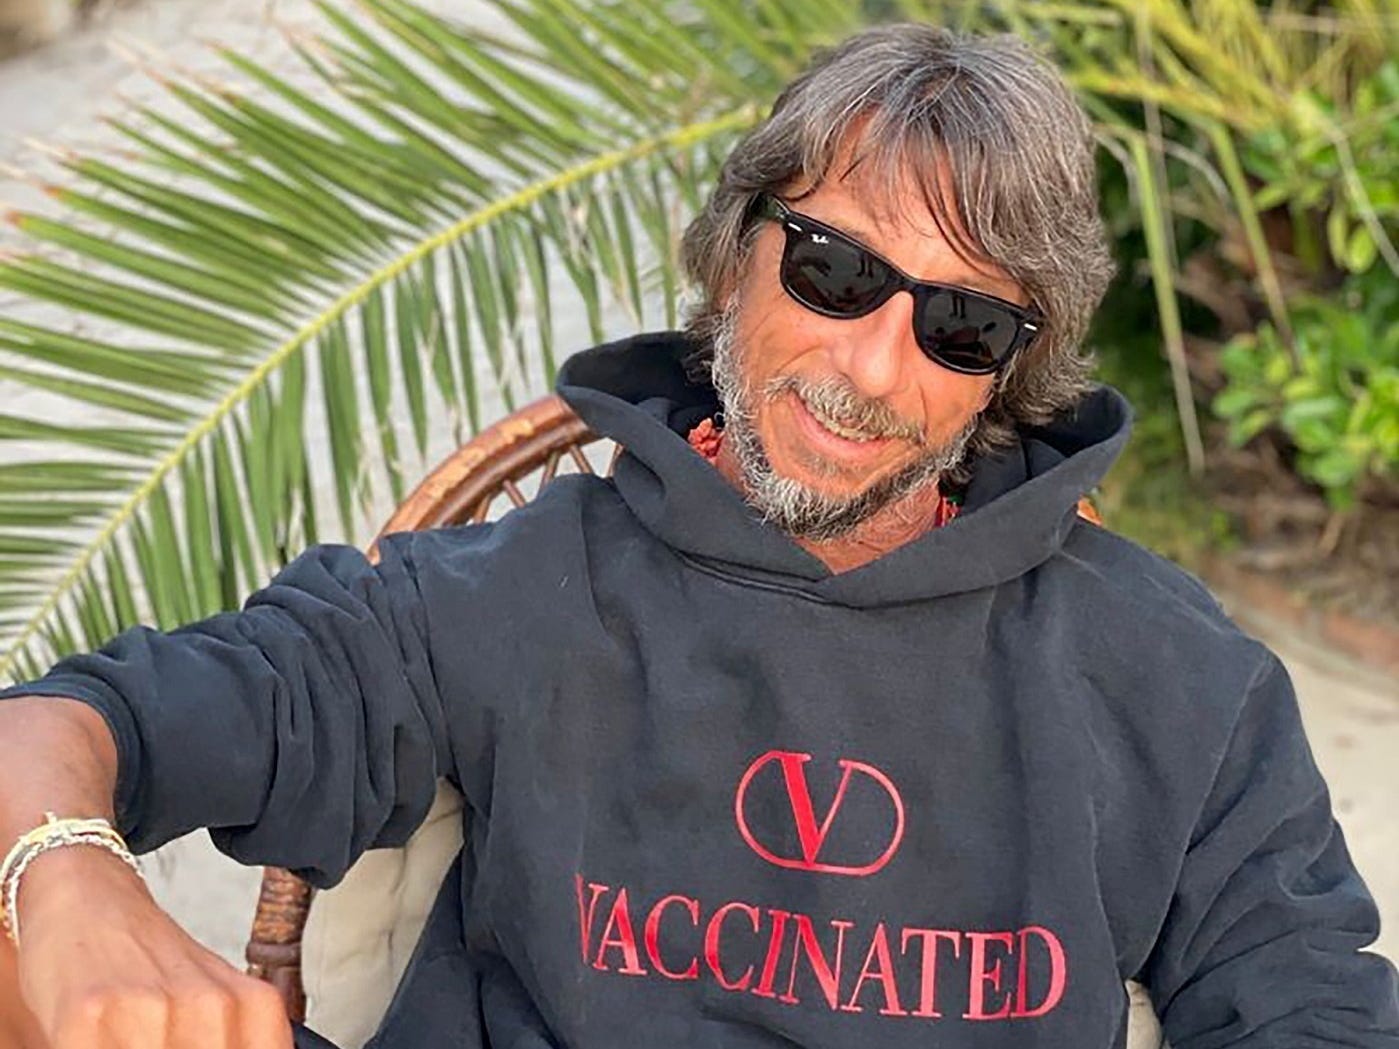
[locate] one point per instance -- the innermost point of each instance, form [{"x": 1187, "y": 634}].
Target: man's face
[{"x": 832, "y": 419}]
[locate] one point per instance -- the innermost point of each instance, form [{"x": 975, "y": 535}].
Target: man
[{"x": 828, "y": 722}]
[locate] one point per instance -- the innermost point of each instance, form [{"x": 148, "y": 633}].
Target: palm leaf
[{"x": 285, "y": 290}]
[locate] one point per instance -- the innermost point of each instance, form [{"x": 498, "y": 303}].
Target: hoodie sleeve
[
  {"x": 1262, "y": 944},
  {"x": 302, "y": 730}
]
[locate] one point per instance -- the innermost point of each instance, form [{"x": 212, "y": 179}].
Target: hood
[{"x": 1018, "y": 507}]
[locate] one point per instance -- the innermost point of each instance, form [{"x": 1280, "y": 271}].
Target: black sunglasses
[{"x": 834, "y": 275}]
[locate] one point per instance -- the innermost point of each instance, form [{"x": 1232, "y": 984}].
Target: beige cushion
[
  {"x": 361, "y": 933},
  {"x": 1143, "y": 1029}
]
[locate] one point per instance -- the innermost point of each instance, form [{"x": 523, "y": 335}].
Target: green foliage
[
  {"x": 1276, "y": 168},
  {"x": 1336, "y": 398},
  {"x": 1333, "y": 387},
  {"x": 1224, "y": 115},
  {"x": 1148, "y": 495},
  {"x": 1338, "y": 161}
]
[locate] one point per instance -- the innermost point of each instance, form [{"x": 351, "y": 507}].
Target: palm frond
[{"x": 287, "y": 290}]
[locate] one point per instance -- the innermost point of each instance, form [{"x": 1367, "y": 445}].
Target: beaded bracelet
[{"x": 53, "y": 833}]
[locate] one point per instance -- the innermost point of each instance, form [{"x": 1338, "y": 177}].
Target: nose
[{"x": 873, "y": 350}]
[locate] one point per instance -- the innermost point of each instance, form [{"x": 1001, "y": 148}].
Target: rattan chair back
[{"x": 504, "y": 466}]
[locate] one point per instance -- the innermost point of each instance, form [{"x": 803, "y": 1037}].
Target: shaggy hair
[{"x": 1020, "y": 154}]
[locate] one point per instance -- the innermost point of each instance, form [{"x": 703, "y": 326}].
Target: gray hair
[{"x": 1020, "y": 153}]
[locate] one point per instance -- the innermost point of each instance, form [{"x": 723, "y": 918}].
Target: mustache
[{"x": 837, "y": 399}]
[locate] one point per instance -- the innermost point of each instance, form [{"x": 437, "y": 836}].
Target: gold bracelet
[{"x": 53, "y": 833}]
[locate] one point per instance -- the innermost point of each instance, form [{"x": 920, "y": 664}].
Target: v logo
[
  {"x": 799, "y": 794},
  {"x": 811, "y": 836}
]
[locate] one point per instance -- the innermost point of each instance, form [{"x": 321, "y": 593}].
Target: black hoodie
[{"x": 719, "y": 796}]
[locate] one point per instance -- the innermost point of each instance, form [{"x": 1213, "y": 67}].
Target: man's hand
[{"x": 101, "y": 966}]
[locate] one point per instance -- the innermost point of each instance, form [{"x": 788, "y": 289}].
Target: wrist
[
  {"x": 64, "y": 880},
  {"x": 56, "y": 755}
]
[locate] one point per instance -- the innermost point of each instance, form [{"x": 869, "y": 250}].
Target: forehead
[
  {"x": 901, "y": 173},
  {"x": 896, "y": 192},
  {"x": 895, "y": 213}
]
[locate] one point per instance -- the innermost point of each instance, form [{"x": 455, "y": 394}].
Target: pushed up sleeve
[
  {"x": 1262, "y": 946},
  {"x": 301, "y": 731}
]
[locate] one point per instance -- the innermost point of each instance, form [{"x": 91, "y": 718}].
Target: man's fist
[{"x": 101, "y": 966}]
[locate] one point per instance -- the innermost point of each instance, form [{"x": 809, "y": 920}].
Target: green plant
[
  {"x": 1262, "y": 146},
  {"x": 1203, "y": 100},
  {"x": 1337, "y": 162},
  {"x": 1336, "y": 397},
  {"x": 1148, "y": 495}
]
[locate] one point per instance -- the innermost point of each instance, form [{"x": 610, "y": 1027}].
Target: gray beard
[{"x": 798, "y": 509}]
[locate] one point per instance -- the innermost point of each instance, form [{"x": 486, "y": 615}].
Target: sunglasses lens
[
  {"x": 838, "y": 277},
  {"x": 965, "y": 333},
  {"x": 831, "y": 275}
]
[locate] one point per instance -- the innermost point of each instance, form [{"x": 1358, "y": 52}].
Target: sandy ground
[{"x": 56, "y": 94}]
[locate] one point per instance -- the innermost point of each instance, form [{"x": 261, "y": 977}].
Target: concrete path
[{"x": 1353, "y": 719}]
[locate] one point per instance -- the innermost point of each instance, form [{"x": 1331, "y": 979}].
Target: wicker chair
[
  {"x": 488, "y": 474},
  {"x": 538, "y": 439}
]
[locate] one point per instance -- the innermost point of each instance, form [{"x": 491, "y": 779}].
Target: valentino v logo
[{"x": 812, "y": 831}]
